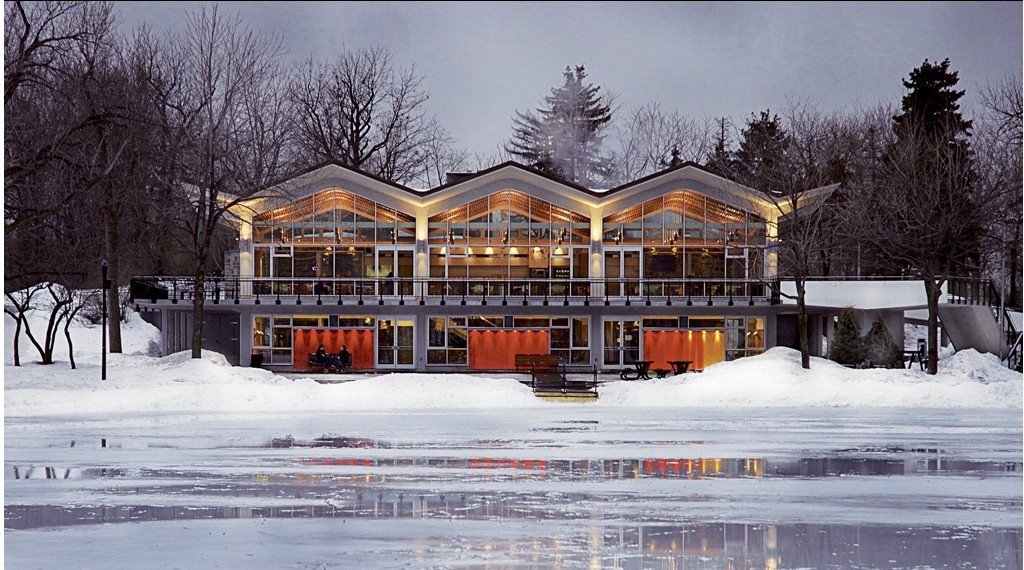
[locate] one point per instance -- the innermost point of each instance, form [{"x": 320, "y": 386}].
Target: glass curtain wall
[
  {"x": 313, "y": 244},
  {"x": 508, "y": 243},
  {"x": 682, "y": 235}
]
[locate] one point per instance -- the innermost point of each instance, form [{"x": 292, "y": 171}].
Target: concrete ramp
[{"x": 973, "y": 326}]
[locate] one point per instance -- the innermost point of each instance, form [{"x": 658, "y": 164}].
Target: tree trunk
[
  {"x": 198, "y": 298},
  {"x": 801, "y": 312},
  {"x": 113, "y": 294},
  {"x": 71, "y": 348},
  {"x": 17, "y": 335},
  {"x": 933, "y": 290}
]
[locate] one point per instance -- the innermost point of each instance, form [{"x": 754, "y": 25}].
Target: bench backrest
[{"x": 524, "y": 360}]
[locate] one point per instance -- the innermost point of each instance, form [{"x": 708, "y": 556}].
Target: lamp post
[{"x": 105, "y": 286}]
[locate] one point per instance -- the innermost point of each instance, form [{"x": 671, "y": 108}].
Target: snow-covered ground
[{"x": 179, "y": 463}]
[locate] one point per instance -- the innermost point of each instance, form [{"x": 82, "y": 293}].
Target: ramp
[{"x": 973, "y": 326}]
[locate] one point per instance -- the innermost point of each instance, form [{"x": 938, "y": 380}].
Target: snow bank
[
  {"x": 139, "y": 384},
  {"x": 967, "y": 379}
]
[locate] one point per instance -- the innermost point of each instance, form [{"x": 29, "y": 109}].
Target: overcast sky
[{"x": 484, "y": 61}]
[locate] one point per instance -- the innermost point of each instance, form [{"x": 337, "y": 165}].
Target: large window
[
  {"x": 507, "y": 237},
  {"x": 686, "y": 235},
  {"x": 329, "y": 235}
]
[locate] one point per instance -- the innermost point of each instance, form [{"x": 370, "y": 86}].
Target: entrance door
[
  {"x": 395, "y": 343},
  {"x": 621, "y": 342}
]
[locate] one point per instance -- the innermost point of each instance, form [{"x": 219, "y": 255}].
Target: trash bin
[{"x": 257, "y": 359}]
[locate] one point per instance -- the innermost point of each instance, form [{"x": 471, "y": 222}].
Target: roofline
[
  {"x": 300, "y": 172},
  {"x": 680, "y": 166},
  {"x": 512, "y": 164}
]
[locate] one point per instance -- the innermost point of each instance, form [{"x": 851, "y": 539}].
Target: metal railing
[
  {"x": 441, "y": 291},
  {"x": 972, "y": 291}
]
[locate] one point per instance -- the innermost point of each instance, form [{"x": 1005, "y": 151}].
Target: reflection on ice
[{"x": 602, "y": 543}]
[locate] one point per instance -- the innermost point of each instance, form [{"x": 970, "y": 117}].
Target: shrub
[
  {"x": 846, "y": 346},
  {"x": 879, "y": 347}
]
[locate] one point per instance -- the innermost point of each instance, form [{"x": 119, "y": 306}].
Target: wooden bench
[
  {"x": 548, "y": 375},
  {"x": 527, "y": 361}
]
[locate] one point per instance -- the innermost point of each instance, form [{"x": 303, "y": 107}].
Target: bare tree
[
  {"x": 925, "y": 211},
  {"x": 17, "y": 304},
  {"x": 1003, "y": 102},
  {"x": 440, "y": 158},
  {"x": 362, "y": 111},
  {"x": 798, "y": 172},
  {"x": 43, "y": 45},
  {"x": 225, "y": 113},
  {"x": 63, "y": 305},
  {"x": 999, "y": 140},
  {"x": 650, "y": 140}
]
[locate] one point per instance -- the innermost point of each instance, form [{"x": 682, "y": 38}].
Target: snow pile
[
  {"x": 138, "y": 384},
  {"x": 967, "y": 379},
  {"x": 180, "y": 383}
]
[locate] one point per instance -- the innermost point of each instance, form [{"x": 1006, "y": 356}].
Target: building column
[{"x": 596, "y": 253}]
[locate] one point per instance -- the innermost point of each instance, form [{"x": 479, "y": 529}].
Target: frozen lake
[{"x": 565, "y": 486}]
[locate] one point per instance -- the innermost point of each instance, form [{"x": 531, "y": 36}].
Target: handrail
[{"x": 405, "y": 290}]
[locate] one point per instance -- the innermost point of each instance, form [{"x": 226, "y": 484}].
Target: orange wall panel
[
  {"x": 359, "y": 342},
  {"x": 702, "y": 348},
  {"x": 496, "y": 349}
]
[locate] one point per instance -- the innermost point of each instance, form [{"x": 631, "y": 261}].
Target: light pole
[{"x": 103, "y": 332}]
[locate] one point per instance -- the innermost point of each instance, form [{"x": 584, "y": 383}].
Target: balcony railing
[{"x": 447, "y": 291}]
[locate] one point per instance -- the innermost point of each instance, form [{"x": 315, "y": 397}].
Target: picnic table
[
  {"x": 909, "y": 356},
  {"x": 641, "y": 369},
  {"x": 680, "y": 366}
]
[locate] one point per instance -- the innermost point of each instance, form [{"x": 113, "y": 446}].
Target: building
[{"x": 678, "y": 265}]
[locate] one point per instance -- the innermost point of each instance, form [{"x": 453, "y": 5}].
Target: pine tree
[
  {"x": 931, "y": 104},
  {"x": 564, "y": 137},
  {"x": 847, "y": 346},
  {"x": 879, "y": 347},
  {"x": 761, "y": 151}
]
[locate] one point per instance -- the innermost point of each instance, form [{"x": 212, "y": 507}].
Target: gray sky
[{"x": 484, "y": 61}]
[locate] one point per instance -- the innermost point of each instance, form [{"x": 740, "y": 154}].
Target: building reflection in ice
[{"x": 601, "y": 543}]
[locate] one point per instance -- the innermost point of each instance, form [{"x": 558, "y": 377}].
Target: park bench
[
  {"x": 331, "y": 364},
  {"x": 548, "y": 375}
]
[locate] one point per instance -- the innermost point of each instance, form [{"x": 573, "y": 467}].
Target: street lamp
[{"x": 103, "y": 332}]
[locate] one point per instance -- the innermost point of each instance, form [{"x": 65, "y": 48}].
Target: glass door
[
  {"x": 621, "y": 342},
  {"x": 395, "y": 343},
  {"x": 394, "y": 270},
  {"x": 622, "y": 271}
]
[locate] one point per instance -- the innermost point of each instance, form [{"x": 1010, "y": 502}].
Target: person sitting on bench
[
  {"x": 344, "y": 357},
  {"x": 321, "y": 355}
]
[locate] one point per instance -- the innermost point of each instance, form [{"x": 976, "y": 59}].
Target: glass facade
[
  {"x": 683, "y": 235},
  {"x": 507, "y": 244}
]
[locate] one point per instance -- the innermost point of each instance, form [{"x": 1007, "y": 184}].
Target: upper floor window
[
  {"x": 333, "y": 217},
  {"x": 684, "y": 218}
]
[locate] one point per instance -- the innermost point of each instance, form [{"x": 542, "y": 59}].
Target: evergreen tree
[
  {"x": 720, "y": 158},
  {"x": 880, "y": 348},
  {"x": 846, "y": 346},
  {"x": 564, "y": 137},
  {"x": 762, "y": 150},
  {"x": 932, "y": 104}
]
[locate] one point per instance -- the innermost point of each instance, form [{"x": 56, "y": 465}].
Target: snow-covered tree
[{"x": 565, "y": 136}]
